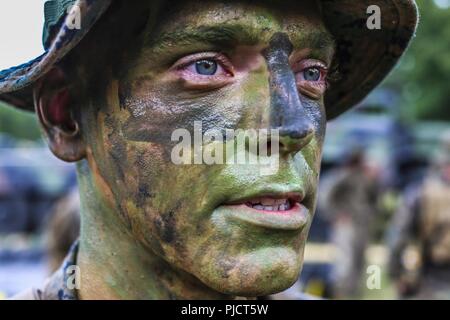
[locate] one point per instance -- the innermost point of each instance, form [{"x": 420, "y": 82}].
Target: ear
[{"x": 54, "y": 106}]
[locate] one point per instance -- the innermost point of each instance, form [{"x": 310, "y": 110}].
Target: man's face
[{"x": 230, "y": 66}]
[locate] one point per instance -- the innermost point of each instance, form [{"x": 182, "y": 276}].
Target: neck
[{"x": 114, "y": 265}]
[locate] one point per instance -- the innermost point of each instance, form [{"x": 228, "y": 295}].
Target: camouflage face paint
[{"x": 153, "y": 229}]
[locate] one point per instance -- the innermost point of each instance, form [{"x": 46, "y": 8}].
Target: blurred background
[{"x": 382, "y": 228}]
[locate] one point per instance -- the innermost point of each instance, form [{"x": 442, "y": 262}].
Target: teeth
[{"x": 267, "y": 202}]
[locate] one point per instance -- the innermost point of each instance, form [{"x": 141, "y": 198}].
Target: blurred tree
[
  {"x": 422, "y": 78},
  {"x": 20, "y": 124}
]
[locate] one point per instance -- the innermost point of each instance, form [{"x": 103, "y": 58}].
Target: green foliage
[
  {"x": 423, "y": 76},
  {"x": 20, "y": 124}
]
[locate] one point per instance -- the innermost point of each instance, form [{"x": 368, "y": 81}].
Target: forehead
[{"x": 244, "y": 22}]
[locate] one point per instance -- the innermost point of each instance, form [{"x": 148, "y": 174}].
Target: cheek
[
  {"x": 312, "y": 153},
  {"x": 140, "y": 182},
  {"x": 316, "y": 111},
  {"x": 158, "y": 109},
  {"x": 159, "y": 201},
  {"x": 157, "y": 197}
]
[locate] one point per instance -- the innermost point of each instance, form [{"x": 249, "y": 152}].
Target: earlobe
[{"x": 54, "y": 107}]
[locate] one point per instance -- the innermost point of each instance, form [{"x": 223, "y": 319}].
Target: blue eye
[
  {"x": 206, "y": 67},
  {"x": 311, "y": 74}
]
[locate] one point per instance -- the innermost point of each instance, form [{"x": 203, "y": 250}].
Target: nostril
[
  {"x": 299, "y": 132},
  {"x": 294, "y": 139}
]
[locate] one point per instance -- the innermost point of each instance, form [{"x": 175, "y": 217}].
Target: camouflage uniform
[
  {"x": 349, "y": 201},
  {"x": 59, "y": 285},
  {"x": 424, "y": 219}
]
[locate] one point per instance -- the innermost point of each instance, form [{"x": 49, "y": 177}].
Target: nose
[{"x": 287, "y": 113}]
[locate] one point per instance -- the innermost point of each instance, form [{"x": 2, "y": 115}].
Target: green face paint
[{"x": 202, "y": 224}]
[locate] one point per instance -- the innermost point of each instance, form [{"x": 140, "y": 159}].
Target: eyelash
[
  {"x": 219, "y": 58},
  {"x": 313, "y": 89},
  {"x": 308, "y": 64}
]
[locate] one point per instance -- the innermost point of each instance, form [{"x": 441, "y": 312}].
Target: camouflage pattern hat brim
[
  {"x": 363, "y": 56},
  {"x": 60, "y": 36}
]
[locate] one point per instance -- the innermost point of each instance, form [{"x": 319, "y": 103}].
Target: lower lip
[{"x": 293, "y": 219}]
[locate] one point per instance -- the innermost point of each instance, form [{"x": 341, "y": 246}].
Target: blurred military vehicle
[{"x": 31, "y": 180}]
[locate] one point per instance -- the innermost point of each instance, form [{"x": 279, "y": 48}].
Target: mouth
[
  {"x": 283, "y": 211},
  {"x": 271, "y": 205}
]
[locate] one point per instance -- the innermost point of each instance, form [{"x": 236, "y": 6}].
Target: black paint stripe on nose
[{"x": 284, "y": 96}]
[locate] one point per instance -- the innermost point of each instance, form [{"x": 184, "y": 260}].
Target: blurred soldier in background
[
  {"x": 423, "y": 220},
  {"x": 349, "y": 198},
  {"x": 63, "y": 228}
]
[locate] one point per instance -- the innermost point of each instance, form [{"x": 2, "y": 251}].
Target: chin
[{"x": 259, "y": 273}]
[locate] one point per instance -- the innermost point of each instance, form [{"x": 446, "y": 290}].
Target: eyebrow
[
  {"x": 231, "y": 35},
  {"x": 220, "y": 36},
  {"x": 318, "y": 39}
]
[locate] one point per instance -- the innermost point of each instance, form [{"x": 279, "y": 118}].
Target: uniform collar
[{"x": 61, "y": 285}]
